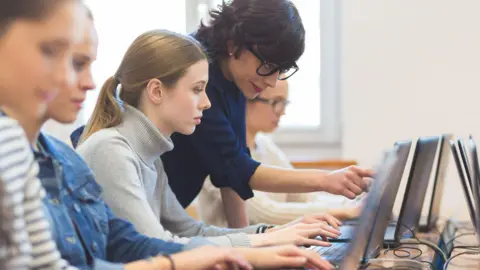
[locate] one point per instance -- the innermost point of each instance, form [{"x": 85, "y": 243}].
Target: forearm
[
  {"x": 235, "y": 208},
  {"x": 279, "y": 180}
]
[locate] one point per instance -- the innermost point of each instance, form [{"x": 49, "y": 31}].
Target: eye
[
  {"x": 79, "y": 65},
  {"x": 197, "y": 90},
  {"x": 49, "y": 51}
]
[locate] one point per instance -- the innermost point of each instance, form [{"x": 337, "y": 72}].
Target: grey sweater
[{"x": 126, "y": 163}]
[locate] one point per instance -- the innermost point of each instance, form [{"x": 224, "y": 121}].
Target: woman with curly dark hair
[{"x": 252, "y": 44}]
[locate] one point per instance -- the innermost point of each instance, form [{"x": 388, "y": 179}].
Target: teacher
[{"x": 252, "y": 44}]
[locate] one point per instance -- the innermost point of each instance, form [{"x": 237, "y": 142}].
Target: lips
[{"x": 256, "y": 88}]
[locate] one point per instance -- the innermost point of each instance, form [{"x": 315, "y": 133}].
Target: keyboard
[{"x": 334, "y": 253}]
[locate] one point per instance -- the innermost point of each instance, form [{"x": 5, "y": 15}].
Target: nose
[
  {"x": 204, "y": 103},
  {"x": 65, "y": 76},
  {"x": 271, "y": 80},
  {"x": 88, "y": 84}
]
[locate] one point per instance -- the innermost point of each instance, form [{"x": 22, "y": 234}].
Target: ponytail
[{"x": 107, "y": 112}]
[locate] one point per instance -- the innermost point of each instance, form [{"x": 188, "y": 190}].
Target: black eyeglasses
[
  {"x": 267, "y": 69},
  {"x": 278, "y": 105}
]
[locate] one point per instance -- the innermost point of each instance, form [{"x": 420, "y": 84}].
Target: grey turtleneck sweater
[{"x": 126, "y": 163}]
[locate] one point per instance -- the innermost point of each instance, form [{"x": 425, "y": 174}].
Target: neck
[
  {"x": 153, "y": 117},
  {"x": 251, "y": 138},
  {"x": 31, "y": 126},
  {"x": 225, "y": 70}
]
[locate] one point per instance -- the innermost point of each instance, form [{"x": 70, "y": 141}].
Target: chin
[
  {"x": 187, "y": 131},
  {"x": 65, "y": 119}
]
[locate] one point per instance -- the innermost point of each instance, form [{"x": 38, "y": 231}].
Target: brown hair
[
  {"x": 157, "y": 54},
  {"x": 25, "y": 9}
]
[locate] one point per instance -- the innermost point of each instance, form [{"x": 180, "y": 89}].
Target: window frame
[{"x": 329, "y": 131}]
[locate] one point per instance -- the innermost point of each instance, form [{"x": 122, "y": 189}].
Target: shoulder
[
  {"x": 104, "y": 140},
  {"x": 12, "y": 134}
]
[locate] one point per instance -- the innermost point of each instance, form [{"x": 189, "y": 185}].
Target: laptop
[
  {"x": 403, "y": 150},
  {"x": 414, "y": 196},
  {"x": 464, "y": 172},
  {"x": 441, "y": 162},
  {"x": 349, "y": 255}
]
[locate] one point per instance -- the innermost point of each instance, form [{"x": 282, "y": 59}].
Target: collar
[{"x": 145, "y": 139}]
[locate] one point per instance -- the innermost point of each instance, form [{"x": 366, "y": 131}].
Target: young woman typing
[
  {"x": 89, "y": 235},
  {"x": 36, "y": 41},
  {"x": 263, "y": 115}
]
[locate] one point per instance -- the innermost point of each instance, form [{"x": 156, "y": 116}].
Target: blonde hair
[{"x": 157, "y": 54}]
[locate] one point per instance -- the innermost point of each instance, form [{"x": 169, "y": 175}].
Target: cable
[
  {"x": 400, "y": 264},
  {"x": 445, "y": 266},
  {"x": 423, "y": 242},
  {"x": 458, "y": 236}
]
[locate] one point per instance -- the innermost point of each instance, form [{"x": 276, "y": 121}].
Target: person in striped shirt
[{"x": 36, "y": 39}]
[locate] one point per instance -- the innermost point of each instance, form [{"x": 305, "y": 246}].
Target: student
[
  {"x": 36, "y": 39},
  {"x": 263, "y": 115},
  {"x": 89, "y": 235},
  {"x": 162, "y": 82},
  {"x": 251, "y": 44}
]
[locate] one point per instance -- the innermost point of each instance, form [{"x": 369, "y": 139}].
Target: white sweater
[
  {"x": 126, "y": 162},
  {"x": 264, "y": 207}
]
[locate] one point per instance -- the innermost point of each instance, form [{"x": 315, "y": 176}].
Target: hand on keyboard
[
  {"x": 298, "y": 234},
  {"x": 311, "y": 219}
]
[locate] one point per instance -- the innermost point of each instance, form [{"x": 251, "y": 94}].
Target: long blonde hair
[{"x": 157, "y": 54}]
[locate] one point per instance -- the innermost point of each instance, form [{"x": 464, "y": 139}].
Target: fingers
[
  {"x": 332, "y": 221},
  {"x": 315, "y": 229},
  {"x": 314, "y": 242},
  {"x": 303, "y": 258},
  {"x": 347, "y": 193},
  {"x": 236, "y": 261},
  {"x": 320, "y": 232},
  {"x": 362, "y": 172}
]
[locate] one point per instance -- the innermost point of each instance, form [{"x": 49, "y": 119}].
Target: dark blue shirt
[
  {"x": 217, "y": 147},
  {"x": 87, "y": 233}
]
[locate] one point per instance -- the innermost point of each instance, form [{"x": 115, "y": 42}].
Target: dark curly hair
[{"x": 274, "y": 27}]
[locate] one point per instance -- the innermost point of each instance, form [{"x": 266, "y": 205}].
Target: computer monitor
[
  {"x": 438, "y": 183},
  {"x": 417, "y": 184}
]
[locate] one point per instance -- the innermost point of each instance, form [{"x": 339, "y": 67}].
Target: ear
[
  {"x": 155, "y": 91},
  {"x": 231, "y": 48}
]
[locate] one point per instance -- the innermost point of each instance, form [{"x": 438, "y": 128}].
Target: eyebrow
[
  {"x": 201, "y": 81},
  {"x": 82, "y": 57},
  {"x": 60, "y": 42}
]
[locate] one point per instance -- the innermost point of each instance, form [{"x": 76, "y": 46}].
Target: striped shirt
[{"x": 32, "y": 245}]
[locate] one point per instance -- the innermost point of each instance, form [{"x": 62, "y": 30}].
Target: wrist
[{"x": 258, "y": 240}]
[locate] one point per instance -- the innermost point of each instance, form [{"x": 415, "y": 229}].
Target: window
[{"x": 118, "y": 23}]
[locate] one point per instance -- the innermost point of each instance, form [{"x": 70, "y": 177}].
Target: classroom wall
[{"x": 410, "y": 68}]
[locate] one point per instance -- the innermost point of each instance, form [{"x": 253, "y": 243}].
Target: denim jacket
[{"x": 86, "y": 231}]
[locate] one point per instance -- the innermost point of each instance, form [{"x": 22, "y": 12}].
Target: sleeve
[
  {"x": 117, "y": 171},
  {"x": 276, "y": 157},
  {"x": 262, "y": 209},
  {"x": 218, "y": 146},
  {"x": 125, "y": 244},
  {"x": 175, "y": 218}
]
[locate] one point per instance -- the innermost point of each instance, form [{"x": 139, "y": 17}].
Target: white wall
[{"x": 410, "y": 68}]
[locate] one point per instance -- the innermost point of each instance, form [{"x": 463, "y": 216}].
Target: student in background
[
  {"x": 36, "y": 40},
  {"x": 251, "y": 44},
  {"x": 87, "y": 233},
  {"x": 263, "y": 116},
  {"x": 161, "y": 81}
]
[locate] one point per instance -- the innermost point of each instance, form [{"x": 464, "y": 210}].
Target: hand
[
  {"x": 349, "y": 182},
  {"x": 298, "y": 234},
  {"x": 311, "y": 219},
  {"x": 211, "y": 258},
  {"x": 284, "y": 257}
]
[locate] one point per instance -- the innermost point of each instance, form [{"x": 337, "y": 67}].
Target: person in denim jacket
[{"x": 90, "y": 236}]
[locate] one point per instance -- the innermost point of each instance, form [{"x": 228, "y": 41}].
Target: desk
[
  {"x": 464, "y": 237},
  {"x": 464, "y": 261}
]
